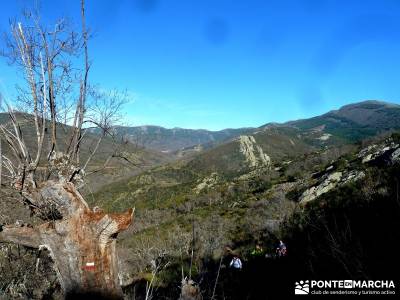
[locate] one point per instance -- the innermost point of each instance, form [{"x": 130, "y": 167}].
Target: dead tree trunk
[
  {"x": 82, "y": 243},
  {"x": 189, "y": 290}
]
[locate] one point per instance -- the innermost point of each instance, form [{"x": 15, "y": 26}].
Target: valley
[{"x": 252, "y": 189}]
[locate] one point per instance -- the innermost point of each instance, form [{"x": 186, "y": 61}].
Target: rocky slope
[
  {"x": 386, "y": 153},
  {"x": 270, "y": 184}
]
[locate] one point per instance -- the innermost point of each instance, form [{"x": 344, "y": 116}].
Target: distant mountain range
[
  {"x": 171, "y": 140},
  {"x": 234, "y": 151},
  {"x": 273, "y": 148},
  {"x": 354, "y": 121},
  {"x": 283, "y": 142},
  {"x": 124, "y": 159},
  {"x": 349, "y": 123}
]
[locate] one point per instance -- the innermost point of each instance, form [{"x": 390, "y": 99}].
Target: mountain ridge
[{"x": 174, "y": 140}]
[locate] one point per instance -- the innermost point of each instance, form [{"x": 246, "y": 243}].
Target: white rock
[
  {"x": 254, "y": 154},
  {"x": 207, "y": 182},
  {"x": 395, "y": 157},
  {"x": 325, "y": 137}
]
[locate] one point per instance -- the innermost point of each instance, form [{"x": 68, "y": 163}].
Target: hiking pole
[
  {"x": 191, "y": 257},
  {"x": 216, "y": 279}
]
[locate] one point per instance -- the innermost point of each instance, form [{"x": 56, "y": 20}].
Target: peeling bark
[
  {"x": 82, "y": 243},
  {"x": 25, "y": 236},
  {"x": 80, "y": 240}
]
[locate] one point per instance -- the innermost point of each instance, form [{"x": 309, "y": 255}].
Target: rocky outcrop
[
  {"x": 254, "y": 154},
  {"x": 325, "y": 186},
  {"x": 207, "y": 182},
  {"x": 325, "y": 137},
  {"x": 330, "y": 181},
  {"x": 395, "y": 157},
  {"x": 388, "y": 152}
]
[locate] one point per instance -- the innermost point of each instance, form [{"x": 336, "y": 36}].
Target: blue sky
[{"x": 215, "y": 64}]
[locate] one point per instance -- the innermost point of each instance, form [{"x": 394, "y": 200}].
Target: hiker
[
  {"x": 281, "y": 250},
  {"x": 236, "y": 263},
  {"x": 258, "y": 251}
]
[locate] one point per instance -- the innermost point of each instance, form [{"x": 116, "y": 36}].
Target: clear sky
[{"x": 216, "y": 63}]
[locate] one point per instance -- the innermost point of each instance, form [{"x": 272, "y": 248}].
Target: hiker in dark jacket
[{"x": 281, "y": 250}]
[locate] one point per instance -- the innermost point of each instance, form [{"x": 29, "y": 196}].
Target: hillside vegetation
[
  {"x": 114, "y": 160},
  {"x": 330, "y": 193}
]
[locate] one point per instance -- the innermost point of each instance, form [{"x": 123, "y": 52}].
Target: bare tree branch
[{"x": 56, "y": 81}]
